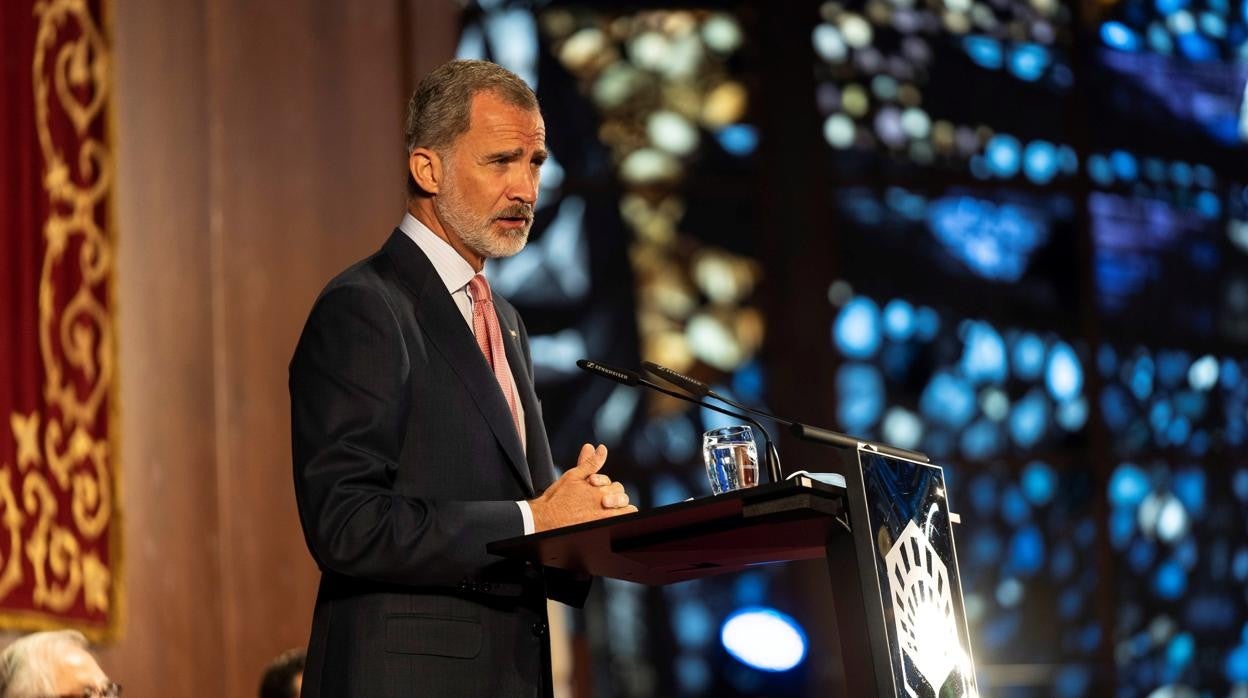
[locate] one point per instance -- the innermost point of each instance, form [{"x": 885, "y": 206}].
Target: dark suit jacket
[{"x": 406, "y": 465}]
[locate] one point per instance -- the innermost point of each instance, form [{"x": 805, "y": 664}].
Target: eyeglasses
[{"x": 105, "y": 690}]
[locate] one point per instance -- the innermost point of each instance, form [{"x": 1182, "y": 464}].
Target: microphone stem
[{"x": 827, "y": 436}]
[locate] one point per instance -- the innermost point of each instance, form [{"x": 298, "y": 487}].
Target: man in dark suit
[{"x": 417, "y": 434}]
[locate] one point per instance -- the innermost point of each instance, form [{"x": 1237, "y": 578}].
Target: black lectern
[{"x": 886, "y": 536}]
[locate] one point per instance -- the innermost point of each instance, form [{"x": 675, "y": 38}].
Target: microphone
[
  {"x": 801, "y": 431},
  {"x": 632, "y": 379}
]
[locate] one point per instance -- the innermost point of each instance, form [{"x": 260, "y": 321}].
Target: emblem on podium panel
[{"x": 927, "y": 628}]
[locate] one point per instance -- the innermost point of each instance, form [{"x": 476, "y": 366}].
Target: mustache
[{"x": 524, "y": 211}]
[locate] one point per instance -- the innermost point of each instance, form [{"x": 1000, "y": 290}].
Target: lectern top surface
[{"x": 776, "y": 522}]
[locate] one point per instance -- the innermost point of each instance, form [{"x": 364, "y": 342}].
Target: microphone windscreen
[
  {"x": 619, "y": 375},
  {"x": 680, "y": 380}
]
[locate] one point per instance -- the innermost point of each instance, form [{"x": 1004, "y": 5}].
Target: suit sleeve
[{"x": 349, "y": 404}]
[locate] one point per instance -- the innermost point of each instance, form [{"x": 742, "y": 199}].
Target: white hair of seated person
[{"x": 27, "y": 666}]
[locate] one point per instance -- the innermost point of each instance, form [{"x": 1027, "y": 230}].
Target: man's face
[
  {"x": 491, "y": 175},
  {"x": 75, "y": 671}
]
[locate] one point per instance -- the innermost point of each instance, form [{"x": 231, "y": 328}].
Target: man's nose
[{"x": 525, "y": 187}]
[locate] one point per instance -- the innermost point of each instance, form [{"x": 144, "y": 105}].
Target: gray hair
[
  {"x": 439, "y": 109},
  {"x": 26, "y": 666}
]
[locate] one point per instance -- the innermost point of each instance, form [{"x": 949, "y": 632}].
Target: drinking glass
[{"x": 731, "y": 458}]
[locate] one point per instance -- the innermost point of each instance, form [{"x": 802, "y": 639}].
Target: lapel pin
[{"x": 513, "y": 333}]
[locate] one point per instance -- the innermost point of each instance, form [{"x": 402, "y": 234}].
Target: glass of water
[{"x": 731, "y": 458}]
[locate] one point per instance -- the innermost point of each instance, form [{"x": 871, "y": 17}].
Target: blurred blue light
[
  {"x": 983, "y": 493},
  {"x": 1003, "y": 154},
  {"x": 1128, "y": 486},
  {"x": 738, "y": 139},
  {"x": 1237, "y": 665},
  {"x": 1212, "y": 25},
  {"x": 1142, "y": 378},
  {"x": 1072, "y": 681},
  {"x": 984, "y": 51},
  {"x": 1067, "y": 160},
  {"x": 1014, "y": 508},
  {"x": 1159, "y": 39},
  {"x": 750, "y": 589},
  {"x": 1239, "y": 484},
  {"x": 898, "y": 320},
  {"x": 1208, "y": 205},
  {"x": 668, "y": 490},
  {"x": 1039, "y": 482},
  {"x": 1100, "y": 170},
  {"x": 749, "y": 381},
  {"x": 1230, "y": 373},
  {"x": 693, "y": 674},
  {"x": 1189, "y": 487},
  {"x": 1029, "y": 420},
  {"x": 994, "y": 240},
  {"x": 1172, "y": 367},
  {"x": 1106, "y": 361},
  {"x": 926, "y": 323},
  {"x": 1155, "y": 169},
  {"x": 1140, "y": 555},
  {"x": 905, "y": 203},
  {"x": 981, "y": 440},
  {"x": 983, "y": 354},
  {"x": 1029, "y": 61},
  {"x": 1196, "y": 47},
  {"x": 856, "y": 330},
  {"x": 1124, "y": 165},
  {"x": 1040, "y": 162},
  {"x": 1116, "y": 35},
  {"x": 692, "y": 623},
  {"x": 860, "y": 396},
  {"x": 1181, "y": 173},
  {"x": 1203, "y": 374},
  {"x": 1203, "y": 174},
  {"x": 1062, "y": 562},
  {"x": 979, "y": 168},
  {"x": 1239, "y": 565},
  {"x": 947, "y": 400},
  {"x": 985, "y": 548},
  {"x": 1121, "y": 526},
  {"x": 1072, "y": 414},
  {"x": 764, "y": 638},
  {"x": 1028, "y": 356},
  {"x": 1027, "y": 551},
  {"x": 1064, "y": 374},
  {"x": 1169, "y": 7},
  {"x": 1170, "y": 580}
]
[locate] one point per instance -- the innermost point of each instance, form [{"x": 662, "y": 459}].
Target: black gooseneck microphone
[
  {"x": 802, "y": 431},
  {"x": 632, "y": 379}
]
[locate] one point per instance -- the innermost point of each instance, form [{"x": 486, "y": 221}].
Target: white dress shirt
[{"x": 456, "y": 272}]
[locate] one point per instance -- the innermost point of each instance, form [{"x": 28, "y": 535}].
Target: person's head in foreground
[
  {"x": 284, "y": 676},
  {"x": 53, "y": 664}
]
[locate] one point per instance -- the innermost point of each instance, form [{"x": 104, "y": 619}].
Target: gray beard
[{"x": 477, "y": 234}]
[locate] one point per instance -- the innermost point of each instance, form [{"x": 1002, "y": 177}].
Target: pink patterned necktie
[{"x": 490, "y": 340}]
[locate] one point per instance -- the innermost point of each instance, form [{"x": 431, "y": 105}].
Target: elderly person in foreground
[{"x": 54, "y": 663}]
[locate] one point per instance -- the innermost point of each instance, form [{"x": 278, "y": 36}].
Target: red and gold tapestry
[{"x": 59, "y": 522}]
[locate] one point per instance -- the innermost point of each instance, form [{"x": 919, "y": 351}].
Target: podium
[{"x": 887, "y": 538}]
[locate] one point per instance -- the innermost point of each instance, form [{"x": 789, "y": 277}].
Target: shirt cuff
[{"x": 526, "y": 513}]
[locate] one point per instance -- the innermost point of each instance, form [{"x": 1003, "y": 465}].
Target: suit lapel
[
  {"x": 444, "y": 327},
  {"x": 539, "y": 460}
]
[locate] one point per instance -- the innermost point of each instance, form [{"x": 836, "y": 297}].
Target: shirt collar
[{"x": 454, "y": 270}]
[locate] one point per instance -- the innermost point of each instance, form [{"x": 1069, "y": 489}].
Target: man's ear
[{"x": 425, "y": 165}]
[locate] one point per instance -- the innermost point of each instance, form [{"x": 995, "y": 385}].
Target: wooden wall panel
[
  {"x": 259, "y": 153},
  {"x": 171, "y": 639}
]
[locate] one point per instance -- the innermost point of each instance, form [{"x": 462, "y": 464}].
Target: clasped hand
[{"x": 581, "y": 494}]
